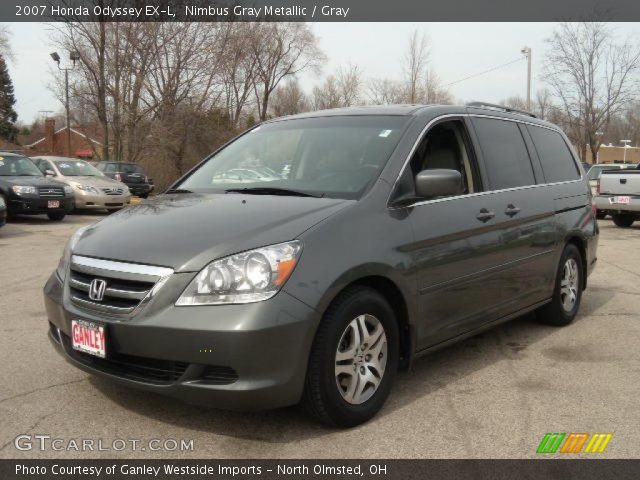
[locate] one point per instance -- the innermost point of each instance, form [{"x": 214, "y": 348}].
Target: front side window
[
  {"x": 129, "y": 168},
  {"x": 505, "y": 154},
  {"x": 557, "y": 162},
  {"x": 335, "y": 157},
  {"x": 77, "y": 168},
  {"x": 445, "y": 146},
  {"x": 18, "y": 167}
]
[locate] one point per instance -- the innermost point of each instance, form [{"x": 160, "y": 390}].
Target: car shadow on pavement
[{"x": 286, "y": 425}]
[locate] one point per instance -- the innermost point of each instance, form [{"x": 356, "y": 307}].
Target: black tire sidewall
[
  {"x": 623, "y": 220},
  {"x": 359, "y": 303}
]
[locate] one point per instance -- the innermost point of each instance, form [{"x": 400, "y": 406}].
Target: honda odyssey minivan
[{"x": 395, "y": 231}]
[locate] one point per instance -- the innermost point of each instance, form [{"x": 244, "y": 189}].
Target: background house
[{"x": 85, "y": 141}]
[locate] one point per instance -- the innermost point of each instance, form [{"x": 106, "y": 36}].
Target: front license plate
[
  {"x": 53, "y": 204},
  {"x": 623, "y": 200},
  {"x": 89, "y": 337}
]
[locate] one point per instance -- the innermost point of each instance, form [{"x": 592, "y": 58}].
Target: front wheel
[
  {"x": 353, "y": 360},
  {"x": 568, "y": 290},
  {"x": 56, "y": 217},
  {"x": 623, "y": 220}
]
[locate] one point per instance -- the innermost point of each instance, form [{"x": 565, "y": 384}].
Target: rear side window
[
  {"x": 505, "y": 154},
  {"x": 556, "y": 159}
]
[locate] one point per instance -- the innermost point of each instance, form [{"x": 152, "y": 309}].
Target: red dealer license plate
[
  {"x": 88, "y": 337},
  {"x": 623, "y": 200},
  {"x": 53, "y": 204}
]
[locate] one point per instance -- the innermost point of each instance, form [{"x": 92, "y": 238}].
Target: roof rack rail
[{"x": 499, "y": 107}]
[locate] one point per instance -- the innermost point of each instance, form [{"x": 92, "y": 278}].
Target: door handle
[
  {"x": 512, "y": 210},
  {"x": 485, "y": 215}
]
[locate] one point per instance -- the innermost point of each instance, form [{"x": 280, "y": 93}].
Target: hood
[
  {"x": 31, "y": 181},
  {"x": 186, "y": 232},
  {"x": 93, "y": 181}
]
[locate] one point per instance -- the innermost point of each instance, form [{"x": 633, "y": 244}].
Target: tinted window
[
  {"x": 557, "y": 162},
  {"x": 111, "y": 168},
  {"x": 505, "y": 154}
]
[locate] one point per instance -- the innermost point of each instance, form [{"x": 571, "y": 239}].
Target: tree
[
  {"x": 593, "y": 77},
  {"x": 8, "y": 115},
  {"x": 289, "y": 99},
  {"x": 281, "y": 50},
  {"x": 5, "y": 43},
  {"x": 416, "y": 60},
  {"x": 339, "y": 90}
]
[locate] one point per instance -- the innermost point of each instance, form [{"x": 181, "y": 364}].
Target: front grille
[
  {"x": 51, "y": 192},
  {"x": 128, "y": 285},
  {"x": 141, "y": 369},
  {"x": 113, "y": 191}
]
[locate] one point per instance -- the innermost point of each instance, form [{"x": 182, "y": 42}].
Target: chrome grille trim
[
  {"x": 111, "y": 292},
  {"x": 92, "y": 265},
  {"x": 51, "y": 192},
  {"x": 113, "y": 191},
  {"x": 144, "y": 282}
]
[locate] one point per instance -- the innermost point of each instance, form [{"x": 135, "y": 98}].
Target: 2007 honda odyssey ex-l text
[{"x": 381, "y": 234}]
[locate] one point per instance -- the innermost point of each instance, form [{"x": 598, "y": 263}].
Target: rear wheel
[
  {"x": 623, "y": 220},
  {"x": 353, "y": 360},
  {"x": 568, "y": 290},
  {"x": 56, "y": 217}
]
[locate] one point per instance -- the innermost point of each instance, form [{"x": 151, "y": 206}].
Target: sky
[{"x": 458, "y": 50}]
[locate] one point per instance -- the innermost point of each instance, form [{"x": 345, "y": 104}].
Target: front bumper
[
  {"x": 140, "y": 188},
  {"x": 36, "y": 205},
  {"x": 606, "y": 203},
  {"x": 91, "y": 201},
  {"x": 257, "y": 352}
]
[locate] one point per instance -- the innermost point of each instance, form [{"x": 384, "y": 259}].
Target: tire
[
  {"x": 561, "y": 311},
  {"x": 623, "y": 220},
  {"x": 143, "y": 195},
  {"x": 56, "y": 217},
  {"x": 600, "y": 215},
  {"x": 327, "y": 395},
  {"x": 9, "y": 216},
  {"x": 113, "y": 210}
]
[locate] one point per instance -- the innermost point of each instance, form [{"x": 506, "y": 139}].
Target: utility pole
[
  {"x": 74, "y": 57},
  {"x": 526, "y": 51}
]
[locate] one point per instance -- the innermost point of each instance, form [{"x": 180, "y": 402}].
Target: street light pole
[
  {"x": 526, "y": 51},
  {"x": 73, "y": 56}
]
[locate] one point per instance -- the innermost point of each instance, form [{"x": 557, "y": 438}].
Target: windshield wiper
[
  {"x": 178, "y": 190},
  {"x": 273, "y": 191}
]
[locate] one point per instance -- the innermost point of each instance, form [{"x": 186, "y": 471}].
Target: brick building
[
  {"x": 84, "y": 142},
  {"x": 615, "y": 154}
]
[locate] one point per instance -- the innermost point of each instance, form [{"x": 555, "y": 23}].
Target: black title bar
[{"x": 319, "y": 10}]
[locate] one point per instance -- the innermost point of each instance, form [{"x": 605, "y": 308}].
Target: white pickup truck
[{"x": 618, "y": 194}]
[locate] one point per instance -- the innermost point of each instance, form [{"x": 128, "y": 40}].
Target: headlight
[
  {"x": 21, "y": 190},
  {"x": 246, "y": 277},
  {"x": 63, "y": 264},
  {"x": 2, "y": 204},
  {"x": 68, "y": 190},
  {"x": 84, "y": 188}
]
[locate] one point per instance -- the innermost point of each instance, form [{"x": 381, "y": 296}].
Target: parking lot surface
[{"x": 491, "y": 396}]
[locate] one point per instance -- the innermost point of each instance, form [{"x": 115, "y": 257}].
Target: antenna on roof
[{"x": 493, "y": 106}]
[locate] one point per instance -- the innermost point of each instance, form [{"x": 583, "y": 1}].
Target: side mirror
[
  {"x": 49, "y": 173},
  {"x": 438, "y": 183}
]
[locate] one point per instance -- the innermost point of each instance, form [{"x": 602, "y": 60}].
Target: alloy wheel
[
  {"x": 361, "y": 359},
  {"x": 569, "y": 285}
]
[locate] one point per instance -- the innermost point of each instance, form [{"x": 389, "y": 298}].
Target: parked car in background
[
  {"x": 91, "y": 188},
  {"x": 131, "y": 174},
  {"x": 593, "y": 174},
  {"x": 3, "y": 212},
  {"x": 618, "y": 194},
  {"x": 27, "y": 191},
  {"x": 398, "y": 230}
]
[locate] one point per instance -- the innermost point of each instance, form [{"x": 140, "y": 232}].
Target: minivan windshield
[
  {"x": 77, "y": 168},
  {"x": 18, "y": 167},
  {"x": 337, "y": 157}
]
